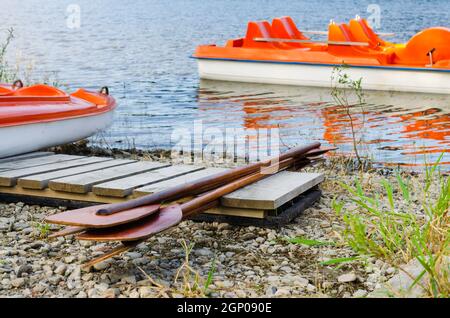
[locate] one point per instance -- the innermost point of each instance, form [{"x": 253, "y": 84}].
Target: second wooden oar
[
  {"x": 174, "y": 214},
  {"x": 107, "y": 215}
]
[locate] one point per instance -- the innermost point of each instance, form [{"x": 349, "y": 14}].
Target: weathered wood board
[
  {"x": 125, "y": 186},
  {"x": 28, "y": 163},
  {"x": 155, "y": 187},
  {"x": 40, "y": 181},
  {"x": 29, "y": 155},
  {"x": 83, "y": 183},
  {"x": 272, "y": 192},
  {"x": 9, "y": 178}
]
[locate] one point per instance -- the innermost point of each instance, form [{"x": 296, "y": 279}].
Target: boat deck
[{"x": 75, "y": 181}]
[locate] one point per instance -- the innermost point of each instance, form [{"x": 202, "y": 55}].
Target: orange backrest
[
  {"x": 40, "y": 90},
  {"x": 260, "y": 29},
  {"x": 285, "y": 28}
]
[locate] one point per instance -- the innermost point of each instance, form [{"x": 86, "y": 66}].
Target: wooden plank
[
  {"x": 9, "y": 178},
  {"x": 83, "y": 183},
  {"x": 272, "y": 192},
  {"x": 33, "y": 162},
  {"x": 124, "y": 187},
  {"x": 40, "y": 181},
  {"x": 246, "y": 213},
  {"x": 158, "y": 186},
  {"x": 29, "y": 155}
]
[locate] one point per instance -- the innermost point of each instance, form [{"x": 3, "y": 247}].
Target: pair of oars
[
  {"x": 110, "y": 215},
  {"x": 133, "y": 221},
  {"x": 132, "y": 234}
]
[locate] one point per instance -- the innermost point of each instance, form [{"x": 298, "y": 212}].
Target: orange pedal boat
[
  {"x": 279, "y": 53},
  {"x": 39, "y": 116}
]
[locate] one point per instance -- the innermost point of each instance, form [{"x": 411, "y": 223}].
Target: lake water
[{"x": 141, "y": 50}]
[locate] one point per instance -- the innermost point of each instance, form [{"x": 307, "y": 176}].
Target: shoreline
[{"x": 248, "y": 261}]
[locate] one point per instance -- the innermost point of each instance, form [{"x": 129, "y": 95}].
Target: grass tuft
[{"x": 386, "y": 225}]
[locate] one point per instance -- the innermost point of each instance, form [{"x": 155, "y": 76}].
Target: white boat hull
[
  {"x": 31, "y": 137},
  {"x": 373, "y": 78}
]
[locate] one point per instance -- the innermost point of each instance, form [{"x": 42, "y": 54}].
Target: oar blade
[
  {"x": 88, "y": 217},
  {"x": 165, "y": 219}
]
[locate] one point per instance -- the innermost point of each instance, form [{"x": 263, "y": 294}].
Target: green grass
[
  {"x": 44, "y": 229},
  {"x": 209, "y": 279},
  {"x": 342, "y": 260},
  {"x": 386, "y": 224},
  {"x": 308, "y": 242}
]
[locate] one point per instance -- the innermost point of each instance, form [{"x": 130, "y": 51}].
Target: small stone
[
  {"x": 146, "y": 292},
  {"x": 347, "y": 278},
  {"x": 282, "y": 293},
  {"x": 102, "y": 265},
  {"x": 18, "y": 282},
  {"x": 134, "y": 255},
  {"x": 286, "y": 269},
  {"x": 55, "y": 279},
  {"x": 248, "y": 236},
  {"x": 360, "y": 293},
  {"x": 224, "y": 284},
  {"x": 130, "y": 279},
  {"x": 223, "y": 226},
  {"x": 271, "y": 290},
  {"x": 81, "y": 294},
  {"x": 134, "y": 294},
  {"x": 311, "y": 288},
  {"x": 102, "y": 287},
  {"x": 390, "y": 271},
  {"x": 24, "y": 269},
  {"x": 327, "y": 285},
  {"x": 69, "y": 259},
  {"x": 204, "y": 252},
  {"x": 61, "y": 269}
]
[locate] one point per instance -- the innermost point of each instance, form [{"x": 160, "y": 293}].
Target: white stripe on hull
[
  {"x": 30, "y": 137},
  {"x": 320, "y": 76}
]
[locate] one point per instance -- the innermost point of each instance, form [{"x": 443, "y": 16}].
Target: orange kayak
[
  {"x": 39, "y": 116},
  {"x": 279, "y": 53}
]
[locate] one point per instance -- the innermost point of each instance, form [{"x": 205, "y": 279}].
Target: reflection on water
[
  {"x": 389, "y": 127},
  {"x": 141, "y": 48}
]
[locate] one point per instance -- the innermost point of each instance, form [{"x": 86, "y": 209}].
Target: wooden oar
[
  {"x": 70, "y": 230},
  {"x": 173, "y": 214},
  {"x": 83, "y": 219},
  {"x": 132, "y": 234},
  {"x": 343, "y": 43},
  {"x": 107, "y": 215},
  {"x": 135, "y": 233}
]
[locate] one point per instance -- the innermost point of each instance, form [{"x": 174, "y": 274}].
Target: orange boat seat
[
  {"x": 261, "y": 29},
  {"x": 285, "y": 28},
  {"x": 342, "y": 33},
  {"x": 40, "y": 90}
]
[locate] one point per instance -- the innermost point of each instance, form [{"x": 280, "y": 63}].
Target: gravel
[{"x": 248, "y": 261}]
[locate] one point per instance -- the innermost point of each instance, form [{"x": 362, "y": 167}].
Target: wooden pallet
[{"x": 81, "y": 181}]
